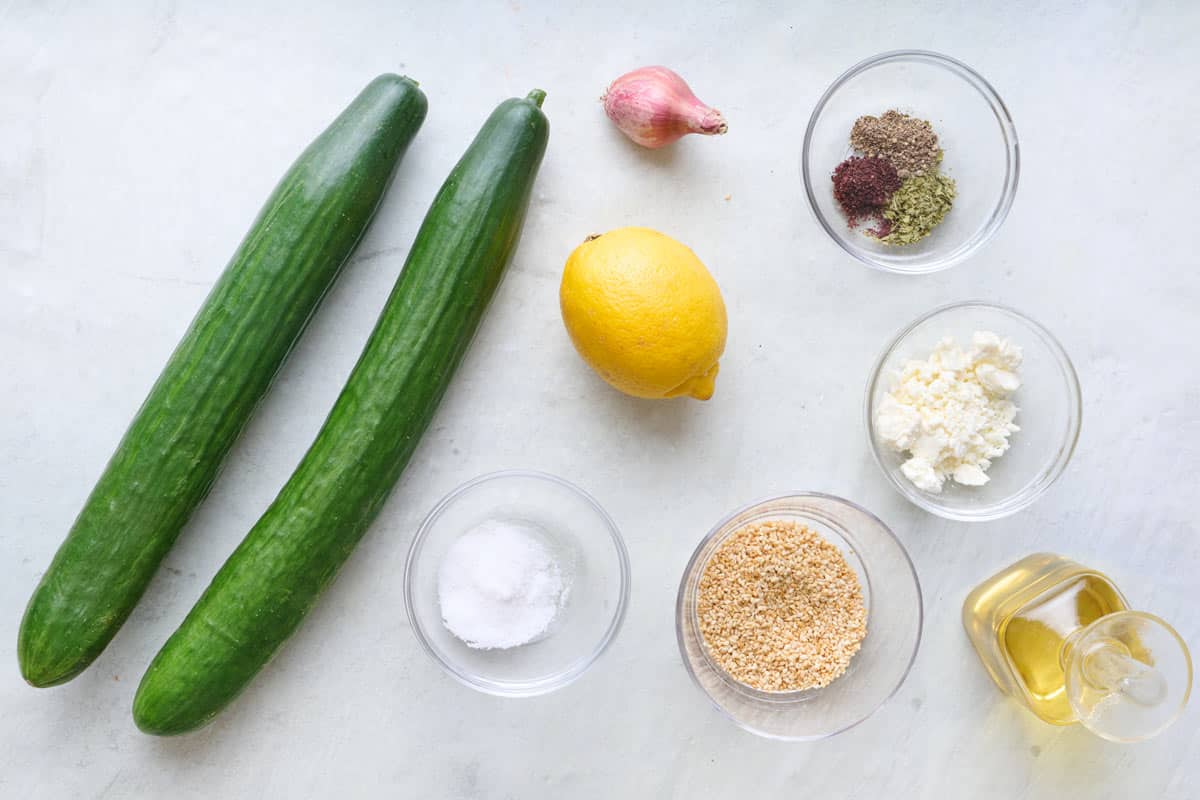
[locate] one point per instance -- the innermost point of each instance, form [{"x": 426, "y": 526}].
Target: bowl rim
[
  {"x": 558, "y": 680},
  {"x": 683, "y": 592},
  {"x": 1012, "y": 157},
  {"x": 1015, "y": 503}
]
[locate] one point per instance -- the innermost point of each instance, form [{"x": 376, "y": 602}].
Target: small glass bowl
[
  {"x": 974, "y": 129},
  {"x": 587, "y": 546},
  {"x": 892, "y": 595},
  {"x": 1048, "y": 402}
]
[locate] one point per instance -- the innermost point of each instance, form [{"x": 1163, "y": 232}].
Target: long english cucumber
[
  {"x": 262, "y": 593},
  {"x": 173, "y": 449}
]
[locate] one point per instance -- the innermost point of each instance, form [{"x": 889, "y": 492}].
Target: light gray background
[{"x": 137, "y": 141}]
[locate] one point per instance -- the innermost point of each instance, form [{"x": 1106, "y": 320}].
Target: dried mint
[{"x": 917, "y": 207}]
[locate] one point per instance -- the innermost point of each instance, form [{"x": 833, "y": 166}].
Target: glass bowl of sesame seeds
[
  {"x": 979, "y": 160},
  {"x": 799, "y": 616}
]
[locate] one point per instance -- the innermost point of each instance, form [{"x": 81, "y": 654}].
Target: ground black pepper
[
  {"x": 863, "y": 187},
  {"x": 909, "y": 143}
]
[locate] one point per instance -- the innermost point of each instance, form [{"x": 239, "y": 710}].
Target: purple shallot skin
[{"x": 654, "y": 107}]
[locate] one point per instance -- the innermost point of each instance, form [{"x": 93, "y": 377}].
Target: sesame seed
[{"x": 780, "y": 609}]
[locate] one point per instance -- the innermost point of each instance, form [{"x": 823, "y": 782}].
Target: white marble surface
[{"x": 137, "y": 140}]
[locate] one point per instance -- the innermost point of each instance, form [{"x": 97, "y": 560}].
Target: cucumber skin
[
  {"x": 262, "y": 593},
  {"x": 171, "y": 454}
]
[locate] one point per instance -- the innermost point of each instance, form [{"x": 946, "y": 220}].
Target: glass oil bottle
[{"x": 1062, "y": 640}]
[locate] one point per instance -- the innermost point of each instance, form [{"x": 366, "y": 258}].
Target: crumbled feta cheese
[{"x": 951, "y": 413}]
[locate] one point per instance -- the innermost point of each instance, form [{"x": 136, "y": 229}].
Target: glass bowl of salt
[{"x": 516, "y": 583}]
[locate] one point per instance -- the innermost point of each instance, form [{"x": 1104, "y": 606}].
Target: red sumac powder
[{"x": 863, "y": 186}]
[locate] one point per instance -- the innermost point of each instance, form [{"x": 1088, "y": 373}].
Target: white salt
[{"x": 499, "y": 585}]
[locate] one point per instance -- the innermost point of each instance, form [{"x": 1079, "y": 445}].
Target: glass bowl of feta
[{"x": 973, "y": 411}]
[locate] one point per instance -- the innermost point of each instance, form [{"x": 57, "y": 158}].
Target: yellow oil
[{"x": 1019, "y": 619}]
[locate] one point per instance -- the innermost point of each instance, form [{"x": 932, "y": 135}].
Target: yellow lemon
[{"x": 645, "y": 313}]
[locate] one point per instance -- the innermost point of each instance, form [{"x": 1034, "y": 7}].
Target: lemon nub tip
[{"x": 700, "y": 387}]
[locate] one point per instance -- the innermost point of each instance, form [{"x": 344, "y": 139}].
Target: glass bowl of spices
[
  {"x": 973, "y": 411},
  {"x": 516, "y": 582},
  {"x": 799, "y": 616},
  {"x": 910, "y": 161}
]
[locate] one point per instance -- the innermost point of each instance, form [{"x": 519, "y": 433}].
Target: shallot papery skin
[{"x": 653, "y": 106}]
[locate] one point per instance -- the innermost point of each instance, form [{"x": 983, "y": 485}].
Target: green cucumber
[
  {"x": 262, "y": 593},
  {"x": 173, "y": 449}
]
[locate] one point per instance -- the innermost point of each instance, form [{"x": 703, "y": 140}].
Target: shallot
[{"x": 653, "y": 106}]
